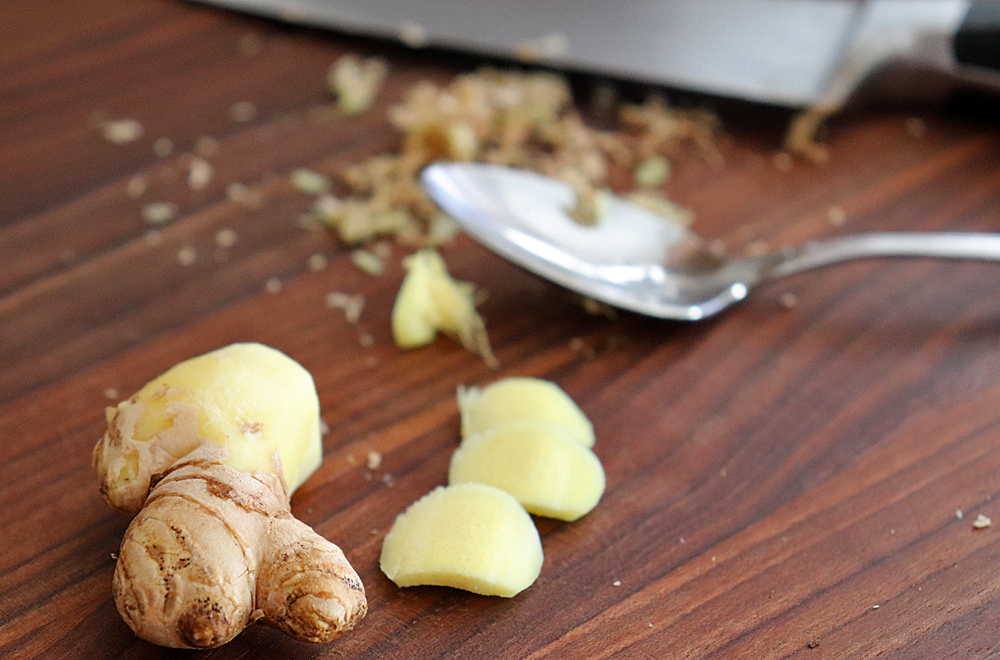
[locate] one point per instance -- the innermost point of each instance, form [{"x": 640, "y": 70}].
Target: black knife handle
[{"x": 977, "y": 42}]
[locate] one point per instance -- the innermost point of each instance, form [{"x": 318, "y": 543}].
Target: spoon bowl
[{"x": 638, "y": 260}]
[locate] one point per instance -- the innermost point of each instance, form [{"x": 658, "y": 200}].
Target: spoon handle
[{"x": 814, "y": 254}]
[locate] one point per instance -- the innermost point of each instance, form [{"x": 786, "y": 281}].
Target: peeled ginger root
[
  {"x": 430, "y": 300},
  {"x": 469, "y": 536},
  {"x": 205, "y": 457}
]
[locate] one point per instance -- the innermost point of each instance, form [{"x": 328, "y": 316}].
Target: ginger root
[{"x": 205, "y": 457}]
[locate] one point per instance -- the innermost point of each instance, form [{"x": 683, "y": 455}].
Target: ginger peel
[{"x": 202, "y": 457}]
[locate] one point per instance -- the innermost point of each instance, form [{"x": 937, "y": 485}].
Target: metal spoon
[{"x": 637, "y": 260}]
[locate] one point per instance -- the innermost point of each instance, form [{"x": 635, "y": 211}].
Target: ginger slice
[
  {"x": 519, "y": 398},
  {"x": 469, "y": 536},
  {"x": 549, "y": 472}
]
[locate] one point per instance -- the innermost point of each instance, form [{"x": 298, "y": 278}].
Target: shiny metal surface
[
  {"x": 786, "y": 52},
  {"x": 779, "y": 51},
  {"x": 640, "y": 261}
]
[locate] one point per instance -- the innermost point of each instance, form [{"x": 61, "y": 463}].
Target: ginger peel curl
[{"x": 201, "y": 457}]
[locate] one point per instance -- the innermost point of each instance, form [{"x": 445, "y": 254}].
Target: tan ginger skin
[{"x": 211, "y": 548}]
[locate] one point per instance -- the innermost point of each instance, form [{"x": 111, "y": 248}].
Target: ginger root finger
[
  {"x": 213, "y": 546},
  {"x": 215, "y": 549}
]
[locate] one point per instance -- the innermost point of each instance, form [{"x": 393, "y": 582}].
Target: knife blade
[{"x": 787, "y": 52}]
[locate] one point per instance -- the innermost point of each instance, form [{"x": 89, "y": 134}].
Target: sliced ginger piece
[
  {"x": 468, "y": 536},
  {"x": 549, "y": 472},
  {"x": 430, "y": 300},
  {"x": 205, "y": 457},
  {"x": 517, "y": 399}
]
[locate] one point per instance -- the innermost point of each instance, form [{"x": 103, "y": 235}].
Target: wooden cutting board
[{"x": 797, "y": 477}]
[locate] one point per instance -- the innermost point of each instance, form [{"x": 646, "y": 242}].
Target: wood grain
[{"x": 781, "y": 482}]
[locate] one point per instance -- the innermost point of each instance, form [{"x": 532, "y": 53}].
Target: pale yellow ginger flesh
[
  {"x": 251, "y": 399},
  {"x": 549, "y": 472},
  {"x": 801, "y": 140},
  {"x": 356, "y": 81},
  {"x": 518, "y": 399},
  {"x": 205, "y": 457},
  {"x": 430, "y": 300},
  {"x": 468, "y": 536}
]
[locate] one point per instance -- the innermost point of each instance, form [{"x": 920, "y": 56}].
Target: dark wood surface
[{"x": 781, "y": 482}]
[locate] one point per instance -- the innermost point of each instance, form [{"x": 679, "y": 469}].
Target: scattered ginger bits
[
  {"x": 205, "y": 457},
  {"x": 508, "y": 117},
  {"x": 545, "y": 468},
  {"x": 801, "y": 138},
  {"x": 468, "y": 536},
  {"x": 429, "y": 300}
]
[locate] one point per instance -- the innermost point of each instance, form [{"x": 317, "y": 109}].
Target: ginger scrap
[
  {"x": 308, "y": 181},
  {"x": 159, "y": 213},
  {"x": 801, "y": 141},
  {"x": 121, "y": 131},
  {"x": 429, "y": 300},
  {"x": 356, "y": 81}
]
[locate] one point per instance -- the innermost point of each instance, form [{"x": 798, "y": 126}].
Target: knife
[{"x": 794, "y": 53}]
